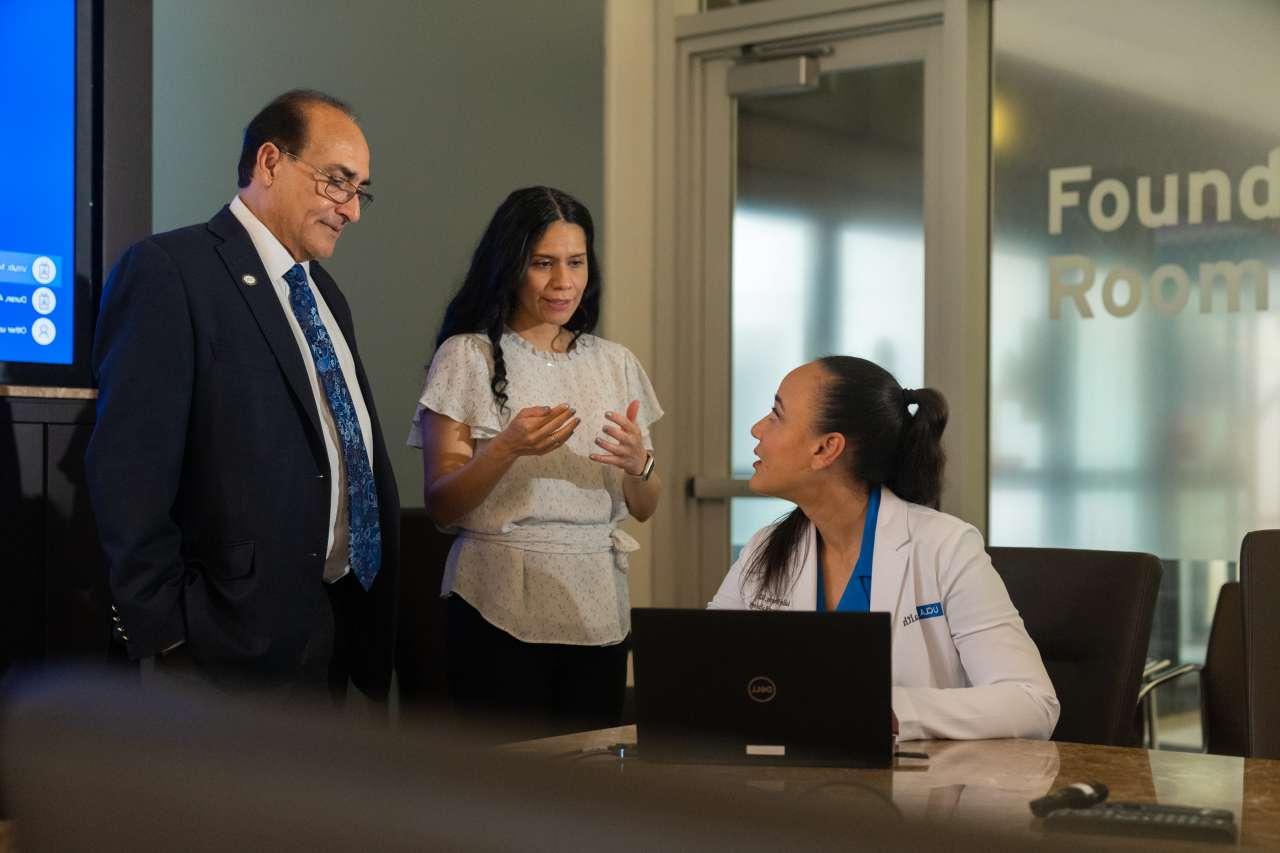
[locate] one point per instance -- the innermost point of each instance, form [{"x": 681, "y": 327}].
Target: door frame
[{"x": 686, "y": 563}]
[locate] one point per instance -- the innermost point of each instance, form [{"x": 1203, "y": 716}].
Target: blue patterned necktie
[{"x": 362, "y": 493}]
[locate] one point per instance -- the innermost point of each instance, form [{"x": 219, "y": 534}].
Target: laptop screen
[{"x": 767, "y": 687}]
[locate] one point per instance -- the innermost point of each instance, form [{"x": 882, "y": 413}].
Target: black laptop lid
[{"x": 766, "y": 687}]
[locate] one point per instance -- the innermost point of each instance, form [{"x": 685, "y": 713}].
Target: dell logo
[{"x": 762, "y": 689}]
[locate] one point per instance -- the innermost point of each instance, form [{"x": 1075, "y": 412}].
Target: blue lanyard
[{"x": 856, "y": 597}]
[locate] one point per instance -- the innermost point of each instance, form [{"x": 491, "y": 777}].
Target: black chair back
[
  {"x": 420, "y": 638},
  {"x": 1222, "y": 682},
  {"x": 1089, "y": 613},
  {"x": 1260, "y": 588}
]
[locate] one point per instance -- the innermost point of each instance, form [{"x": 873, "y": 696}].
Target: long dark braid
[{"x": 498, "y": 382}]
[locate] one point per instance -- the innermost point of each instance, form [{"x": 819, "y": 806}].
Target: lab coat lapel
[{"x": 889, "y": 561}]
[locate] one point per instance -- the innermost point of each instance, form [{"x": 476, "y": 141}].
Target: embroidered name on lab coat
[{"x": 764, "y": 601}]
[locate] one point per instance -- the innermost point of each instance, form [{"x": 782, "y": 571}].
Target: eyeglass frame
[{"x": 328, "y": 181}]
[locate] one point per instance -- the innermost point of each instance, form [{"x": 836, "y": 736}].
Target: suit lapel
[
  {"x": 889, "y": 562},
  {"x": 241, "y": 259}
]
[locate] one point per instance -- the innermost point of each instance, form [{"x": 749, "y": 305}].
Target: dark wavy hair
[
  {"x": 885, "y": 444},
  {"x": 489, "y": 293},
  {"x": 283, "y": 122}
]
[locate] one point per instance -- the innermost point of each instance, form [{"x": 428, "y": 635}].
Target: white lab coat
[{"x": 971, "y": 671}]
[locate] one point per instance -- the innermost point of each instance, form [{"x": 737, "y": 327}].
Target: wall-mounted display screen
[{"x": 37, "y": 146}]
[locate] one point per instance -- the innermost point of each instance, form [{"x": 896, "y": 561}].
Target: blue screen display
[{"x": 37, "y": 146}]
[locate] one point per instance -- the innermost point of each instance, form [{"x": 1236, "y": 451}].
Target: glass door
[
  {"x": 828, "y": 241},
  {"x": 816, "y": 185}
]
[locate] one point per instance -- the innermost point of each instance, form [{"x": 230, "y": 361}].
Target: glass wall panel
[{"x": 1135, "y": 334}]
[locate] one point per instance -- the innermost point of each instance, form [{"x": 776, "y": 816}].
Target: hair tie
[{"x": 909, "y": 397}]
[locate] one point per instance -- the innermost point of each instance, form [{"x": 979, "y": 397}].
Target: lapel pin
[{"x": 249, "y": 280}]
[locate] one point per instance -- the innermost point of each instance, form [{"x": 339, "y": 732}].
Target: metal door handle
[{"x": 719, "y": 488}]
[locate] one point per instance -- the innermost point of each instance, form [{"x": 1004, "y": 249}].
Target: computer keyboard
[{"x": 1146, "y": 819}]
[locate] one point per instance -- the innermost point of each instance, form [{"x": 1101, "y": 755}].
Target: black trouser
[
  {"x": 327, "y": 660},
  {"x": 530, "y": 690}
]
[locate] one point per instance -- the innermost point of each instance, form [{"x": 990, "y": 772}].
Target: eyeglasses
[{"x": 335, "y": 189}]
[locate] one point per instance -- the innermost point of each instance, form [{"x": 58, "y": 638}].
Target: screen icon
[
  {"x": 43, "y": 300},
  {"x": 43, "y": 331},
  {"x": 44, "y": 270}
]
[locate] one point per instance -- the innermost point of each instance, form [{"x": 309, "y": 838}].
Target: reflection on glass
[
  {"x": 747, "y": 515},
  {"x": 1107, "y": 519},
  {"x": 1108, "y": 347},
  {"x": 1142, "y": 412},
  {"x": 828, "y": 243},
  {"x": 772, "y": 271},
  {"x": 1017, "y": 416},
  {"x": 1198, "y": 586},
  {"x": 882, "y": 301},
  {"x": 1022, "y": 513}
]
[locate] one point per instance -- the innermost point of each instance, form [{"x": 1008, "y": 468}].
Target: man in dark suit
[{"x": 242, "y": 489}]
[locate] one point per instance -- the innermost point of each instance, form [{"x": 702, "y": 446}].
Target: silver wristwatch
[{"x": 647, "y": 471}]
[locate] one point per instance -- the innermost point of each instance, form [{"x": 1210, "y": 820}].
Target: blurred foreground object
[{"x": 91, "y": 763}]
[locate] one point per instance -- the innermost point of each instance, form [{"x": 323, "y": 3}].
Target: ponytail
[
  {"x": 886, "y": 444},
  {"x": 917, "y": 471},
  {"x": 498, "y": 382}
]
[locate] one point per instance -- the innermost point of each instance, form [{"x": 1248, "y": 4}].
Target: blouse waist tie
[{"x": 563, "y": 539}]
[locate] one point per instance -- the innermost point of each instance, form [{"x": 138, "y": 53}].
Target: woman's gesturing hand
[
  {"x": 537, "y": 430},
  {"x": 626, "y": 450}
]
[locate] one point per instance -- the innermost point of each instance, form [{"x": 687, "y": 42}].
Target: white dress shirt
[{"x": 277, "y": 261}]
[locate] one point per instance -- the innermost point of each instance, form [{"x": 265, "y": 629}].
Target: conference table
[
  {"x": 985, "y": 783},
  {"x": 982, "y": 786}
]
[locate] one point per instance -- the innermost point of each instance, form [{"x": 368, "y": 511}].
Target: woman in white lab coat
[{"x": 842, "y": 442}]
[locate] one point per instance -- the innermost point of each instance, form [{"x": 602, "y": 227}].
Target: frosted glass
[{"x": 1134, "y": 385}]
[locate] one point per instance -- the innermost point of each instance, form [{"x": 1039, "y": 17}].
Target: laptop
[{"x": 742, "y": 686}]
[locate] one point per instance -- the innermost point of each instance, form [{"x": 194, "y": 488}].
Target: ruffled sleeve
[
  {"x": 640, "y": 388},
  {"x": 458, "y": 388}
]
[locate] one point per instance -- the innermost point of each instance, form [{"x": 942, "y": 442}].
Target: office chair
[
  {"x": 1260, "y": 588},
  {"x": 420, "y": 640},
  {"x": 1239, "y": 693},
  {"x": 1224, "y": 724},
  {"x": 1147, "y": 722},
  {"x": 1089, "y": 613}
]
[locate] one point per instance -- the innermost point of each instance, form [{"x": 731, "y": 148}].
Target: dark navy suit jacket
[{"x": 207, "y": 466}]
